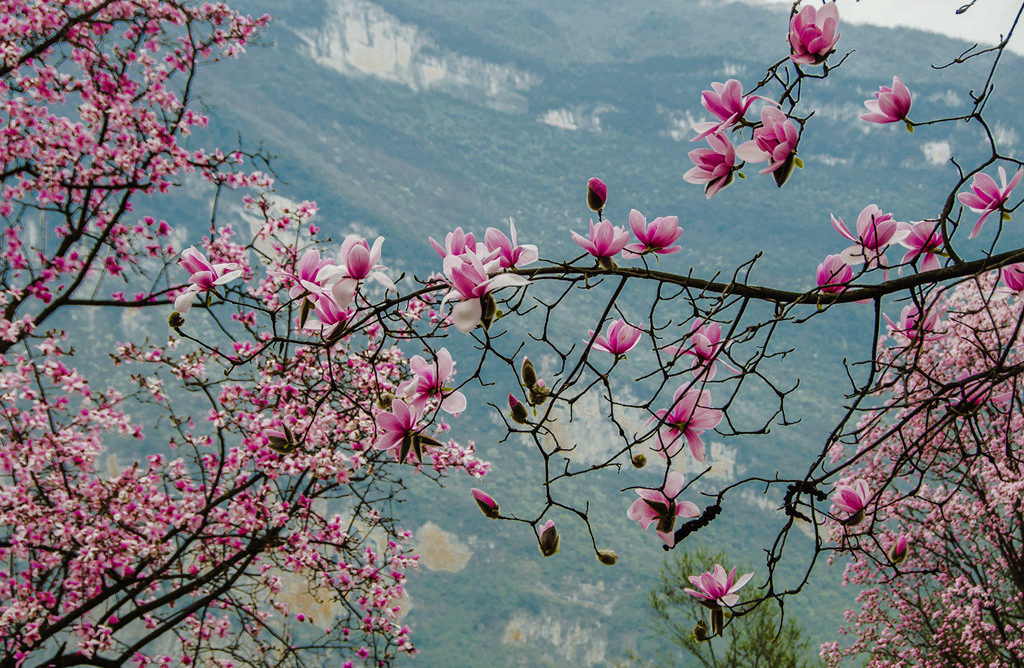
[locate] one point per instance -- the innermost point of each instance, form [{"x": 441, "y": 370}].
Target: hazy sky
[{"x": 983, "y": 22}]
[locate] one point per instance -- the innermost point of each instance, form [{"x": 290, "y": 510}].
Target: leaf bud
[
  {"x": 639, "y": 460},
  {"x": 607, "y": 557}
]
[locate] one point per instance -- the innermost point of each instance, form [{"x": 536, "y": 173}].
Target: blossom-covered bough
[{"x": 294, "y": 391}]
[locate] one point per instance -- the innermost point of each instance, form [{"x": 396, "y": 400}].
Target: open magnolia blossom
[
  {"x": 727, "y": 102},
  {"x": 660, "y": 505},
  {"x": 470, "y": 281},
  {"x": 812, "y": 33},
  {"x": 987, "y": 196},
  {"x": 654, "y": 237},
  {"x": 429, "y": 382},
  {"x": 358, "y": 261},
  {"x": 605, "y": 240},
  {"x": 507, "y": 249},
  {"x": 924, "y": 239},
  {"x": 689, "y": 417},
  {"x": 891, "y": 104},
  {"x": 621, "y": 338},
  {"x": 876, "y": 231},
  {"x": 714, "y": 166},
  {"x": 204, "y": 276},
  {"x": 716, "y": 588}
]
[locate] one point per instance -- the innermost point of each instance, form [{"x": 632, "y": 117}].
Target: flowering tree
[
  {"x": 940, "y": 559},
  {"x": 297, "y": 353}
]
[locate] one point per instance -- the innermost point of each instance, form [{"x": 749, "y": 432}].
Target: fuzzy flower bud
[
  {"x": 597, "y": 194},
  {"x": 547, "y": 538},
  {"x": 607, "y": 557},
  {"x": 488, "y": 506},
  {"x": 518, "y": 410}
]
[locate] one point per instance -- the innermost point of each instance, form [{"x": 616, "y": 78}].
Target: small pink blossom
[
  {"x": 834, "y": 274},
  {"x": 912, "y": 326},
  {"x": 876, "y": 231},
  {"x": 890, "y": 104},
  {"x": 774, "y": 141},
  {"x": 727, "y": 102},
  {"x": 358, "y": 261},
  {"x": 853, "y": 497},
  {"x": 470, "y": 280},
  {"x": 508, "y": 251},
  {"x": 987, "y": 196},
  {"x": 1013, "y": 277},
  {"x": 716, "y": 589},
  {"x": 429, "y": 380},
  {"x": 924, "y": 239},
  {"x": 690, "y": 415},
  {"x": 812, "y": 34},
  {"x": 659, "y": 505},
  {"x": 713, "y": 166},
  {"x": 597, "y": 194},
  {"x": 705, "y": 346},
  {"x": 655, "y": 237},
  {"x": 394, "y": 426},
  {"x": 457, "y": 242},
  {"x": 622, "y": 337},
  {"x": 605, "y": 240}
]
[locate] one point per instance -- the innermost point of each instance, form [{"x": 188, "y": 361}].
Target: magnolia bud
[
  {"x": 607, "y": 557},
  {"x": 547, "y": 538},
  {"x": 700, "y": 632},
  {"x": 487, "y": 505},
  {"x": 717, "y": 621},
  {"x": 175, "y": 319},
  {"x": 528, "y": 374},
  {"x": 384, "y": 401},
  {"x": 899, "y": 552},
  {"x": 597, "y": 194},
  {"x": 488, "y": 307},
  {"x": 639, "y": 460},
  {"x": 854, "y": 519},
  {"x": 281, "y": 442},
  {"x": 518, "y": 410}
]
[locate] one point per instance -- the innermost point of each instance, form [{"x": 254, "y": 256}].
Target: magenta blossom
[
  {"x": 716, "y": 589},
  {"x": 311, "y": 276},
  {"x": 924, "y": 239},
  {"x": 470, "y": 280},
  {"x": 395, "y": 426},
  {"x": 597, "y": 194},
  {"x": 774, "y": 141},
  {"x": 812, "y": 34},
  {"x": 605, "y": 240},
  {"x": 508, "y": 251},
  {"x": 655, "y": 237},
  {"x": 714, "y": 166},
  {"x": 457, "y": 242},
  {"x": 852, "y": 498},
  {"x": 359, "y": 261},
  {"x": 705, "y": 346},
  {"x": 834, "y": 274},
  {"x": 429, "y": 380},
  {"x": 691, "y": 414},
  {"x": 987, "y": 196},
  {"x": 876, "y": 231},
  {"x": 890, "y": 104},
  {"x": 1013, "y": 277},
  {"x": 912, "y": 326},
  {"x": 204, "y": 276},
  {"x": 327, "y": 315},
  {"x": 622, "y": 337},
  {"x": 659, "y": 505},
  {"x": 727, "y": 103}
]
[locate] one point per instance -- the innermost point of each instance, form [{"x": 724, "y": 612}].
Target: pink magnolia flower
[
  {"x": 622, "y": 337},
  {"x": 912, "y": 326},
  {"x": 311, "y": 276},
  {"x": 547, "y": 538},
  {"x": 812, "y": 34},
  {"x": 705, "y": 346},
  {"x": 924, "y": 239},
  {"x": 327, "y": 315},
  {"x": 659, "y": 505},
  {"x": 597, "y": 194},
  {"x": 1013, "y": 277},
  {"x": 716, "y": 589},
  {"x": 690, "y": 415},
  {"x": 656, "y": 236},
  {"x": 727, "y": 103},
  {"x": 508, "y": 251},
  {"x": 359, "y": 261},
  {"x": 470, "y": 280},
  {"x": 456, "y": 242},
  {"x": 834, "y": 274},
  {"x": 890, "y": 104},
  {"x": 605, "y": 240},
  {"x": 853, "y": 497},
  {"x": 429, "y": 380},
  {"x": 396, "y": 425},
  {"x": 774, "y": 141},
  {"x": 488, "y": 506},
  {"x": 876, "y": 231},
  {"x": 714, "y": 166},
  {"x": 987, "y": 196},
  {"x": 204, "y": 276}
]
